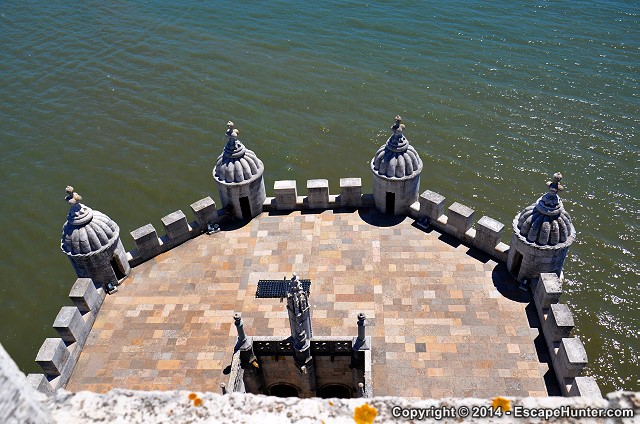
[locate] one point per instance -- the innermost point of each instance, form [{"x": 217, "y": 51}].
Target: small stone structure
[
  {"x": 396, "y": 169},
  {"x": 238, "y": 172},
  {"x": 302, "y": 365},
  {"x": 300, "y": 323},
  {"x": 91, "y": 240},
  {"x": 542, "y": 234}
]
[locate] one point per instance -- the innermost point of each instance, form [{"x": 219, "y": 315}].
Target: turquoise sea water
[{"x": 128, "y": 100}]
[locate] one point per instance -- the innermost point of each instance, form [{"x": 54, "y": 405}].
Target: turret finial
[
  {"x": 398, "y": 126},
  {"x": 555, "y": 186},
  {"x": 72, "y": 197},
  {"x": 232, "y": 132}
]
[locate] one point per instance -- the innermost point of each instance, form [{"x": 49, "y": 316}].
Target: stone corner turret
[
  {"x": 396, "y": 168},
  {"x": 542, "y": 234},
  {"x": 238, "y": 172},
  {"x": 91, "y": 241}
]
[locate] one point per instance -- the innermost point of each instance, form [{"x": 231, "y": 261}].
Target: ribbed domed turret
[
  {"x": 238, "y": 172},
  {"x": 236, "y": 164},
  {"x": 545, "y": 222},
  {"x": 396, "y": 169},
  {"x": 397, "y": 158},
  {"x": 86, "y": 231}
]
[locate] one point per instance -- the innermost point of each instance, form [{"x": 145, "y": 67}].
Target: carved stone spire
[
  {"x": 300, "y": 322},
  {"x": 299, "y": 314},
  {"x": 550, "y": 203}
]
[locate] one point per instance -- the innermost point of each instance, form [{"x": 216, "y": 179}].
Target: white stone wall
[
  {"x": 19, "y": 403},
  {"x": 121, "y": 406}
]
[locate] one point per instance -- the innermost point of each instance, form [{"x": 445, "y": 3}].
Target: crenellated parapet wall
[
  {"x": 58, "y": 355},
  {"x": 459, "y": 224},
  {"x": 568, "y": 355},
  {"x": 318, "y": 197},
  {"x": 177, "y": 231}
]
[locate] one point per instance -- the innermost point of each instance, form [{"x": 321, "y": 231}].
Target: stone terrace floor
[{"x": 440, "y": 315}]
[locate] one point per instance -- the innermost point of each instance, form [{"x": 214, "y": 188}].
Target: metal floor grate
[{"x": 278, "y": 288}]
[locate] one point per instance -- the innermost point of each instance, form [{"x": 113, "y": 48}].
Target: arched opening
[
  {"x": 283, "y": 390},
  {"x": 245, "y": 207},
  {"x": 118, "y": 269},
  {"x": 517, "y": 262},
  {"x": 391, "y": 203},
  {"x": 334, "y": 391}
]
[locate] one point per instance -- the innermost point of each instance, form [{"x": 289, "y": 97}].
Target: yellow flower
[
  {"x": 503, "y": 403},
  {"x": 192, "y": 396},
  {"x": 365, "y": 414},
  {"x": 197, "y": 402}
]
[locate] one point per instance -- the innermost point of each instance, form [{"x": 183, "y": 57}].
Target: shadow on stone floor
[
  {"x": 508, "y": 286},
  {"x": 372, "y": 217},
  {"x": 478, "y": 255}
]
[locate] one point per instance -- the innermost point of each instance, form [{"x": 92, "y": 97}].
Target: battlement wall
[
  {"x": 429, "y": 210},
  {"x": 58, "y": 356}
]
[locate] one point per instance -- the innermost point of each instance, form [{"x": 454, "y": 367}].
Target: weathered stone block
[
  {"x": 350, "y": 192},
  {"x": 146, "y": 239},
  {"x": 286, "y": 194},
  {"x": 40, "y": 382},
  {"x": 431, "y": 204},
  {"x": 70, "y": 325},
  {"x": 570, "y": 359},
  {"x": 460, "y": 217},
  {"x": 414, "y": 210},
  {"x": 547, "y": 291},
  {"x": 559, "y": 322},
  {"x": 204, "y": 210},
  {"x": 52, "y": 356},
  {"x": 175, "y": 224},
  {"x": 488, "y": 232},
  {"x": 318, "y": 193},
  {"x": 85, "y": 296},
  {"x": 585, "y": 387}
]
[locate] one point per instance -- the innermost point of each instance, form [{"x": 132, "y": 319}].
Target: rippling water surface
[{"x": 128, "y": 101}]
